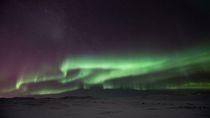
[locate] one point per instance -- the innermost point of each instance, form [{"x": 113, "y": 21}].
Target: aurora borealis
[
  {"x": 53, "y": 47},
  {"x": 165, "y": 72}
]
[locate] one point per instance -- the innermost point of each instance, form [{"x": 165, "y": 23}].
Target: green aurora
[{"x": 174, "y": 71}]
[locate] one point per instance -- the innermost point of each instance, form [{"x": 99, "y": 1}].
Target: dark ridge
[
  {"x": 77, "y": 97},
  {"x": 98, "y": 92}
]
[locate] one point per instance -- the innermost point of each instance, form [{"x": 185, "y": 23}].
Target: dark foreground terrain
[{"x": 143, "y": 105}]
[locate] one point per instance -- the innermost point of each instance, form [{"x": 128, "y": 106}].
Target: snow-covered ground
[{"x": 143, "y": 106}]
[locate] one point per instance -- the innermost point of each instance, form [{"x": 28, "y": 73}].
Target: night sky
[{"x": 56, "y": 46}]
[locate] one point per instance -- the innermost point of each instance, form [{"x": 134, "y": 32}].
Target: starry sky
[{"x": 56, "y": 46}]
